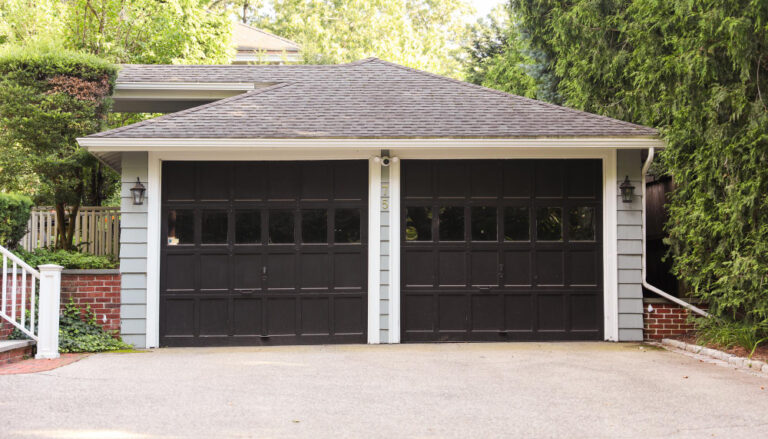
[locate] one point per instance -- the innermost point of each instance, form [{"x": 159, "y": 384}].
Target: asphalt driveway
[{"x": 580, "y": 390}]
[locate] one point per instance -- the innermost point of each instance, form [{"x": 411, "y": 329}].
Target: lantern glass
[
  {"x": 627, "y": 190},
  {"x": 137, "y": 191}
]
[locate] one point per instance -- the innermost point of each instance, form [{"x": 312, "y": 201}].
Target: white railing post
[{"x": 48, "y": 316}]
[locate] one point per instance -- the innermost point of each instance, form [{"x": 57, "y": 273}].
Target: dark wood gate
[
  {"x": 263, "y": 253},
  {"x": 502, "y": 250}
]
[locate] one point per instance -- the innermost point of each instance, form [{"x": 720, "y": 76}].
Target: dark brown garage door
[
  {"x": 263, "y": 253},
  {"x": 502, "y": 250}
]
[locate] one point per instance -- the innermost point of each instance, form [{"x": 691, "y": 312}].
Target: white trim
[
  {"x": 267, "y": 155},
  {"x": 374, "y": 250},
  {"x": 102, "y": 144},
  {"x": 394, "y": 250},
  {"x": 153, "y": 199},
  {"x": 166, "y": 86},
  {"x": 610, "y": 248}
]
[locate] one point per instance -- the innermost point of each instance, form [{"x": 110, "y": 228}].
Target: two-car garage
[{"x": 276, "y": 252}]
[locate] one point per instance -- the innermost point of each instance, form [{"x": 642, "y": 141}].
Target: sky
[{"x": 483, "y": 7}]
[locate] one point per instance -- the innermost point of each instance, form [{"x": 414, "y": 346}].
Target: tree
[
  {"x": 425, "y": 34},
  {"x": 698, "y": 71},
  {"x": 48, "y": 97}
]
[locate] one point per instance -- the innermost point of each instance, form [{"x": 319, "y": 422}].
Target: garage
[
  {"x": 263, "y": 253},
  {"x": 497, "y": 250}
]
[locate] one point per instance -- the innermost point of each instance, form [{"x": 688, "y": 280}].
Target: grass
[{"x": 729, "y": 333}]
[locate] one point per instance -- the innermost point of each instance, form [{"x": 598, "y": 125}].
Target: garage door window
[
  {"x": 516, "y": 224},
  {"x": 247, "y": 227},
  {"x": 181, "y": 227},
  {"x": 484, "y": 223},
  {"x": 214, "y": 226},
  {"x": 280, "y": 227},
  {"x": 549, "y": 225},
  {"x": 451, "y": 223},
  {"x": 347, "y": 228},
  {"x": 418, "y": 223},
  {"x": 581, "y": 224},
  {"x": 314, "y": 226}
]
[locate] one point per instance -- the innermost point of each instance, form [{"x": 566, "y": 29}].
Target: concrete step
[{"x": 16, "y": 350}]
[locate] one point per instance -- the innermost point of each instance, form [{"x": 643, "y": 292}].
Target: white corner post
[
  {"x": 374, "y": 247},
  {"x": 48, "y": 317}
]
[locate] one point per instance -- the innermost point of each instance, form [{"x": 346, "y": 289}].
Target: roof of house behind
[
  {"x": 250, "y": 38},
  {"x": 365, "y": 99}
]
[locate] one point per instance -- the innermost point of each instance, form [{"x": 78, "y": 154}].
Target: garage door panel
[
  {"x": 315, "y": 270},
  {"x": 268, "y": 253},
  {"x": 281, "y": 315},
  {"x": 551, "y": 312},
  {"x": 485, "y": 266},
  {"x": 487, "y": 312},
  {"x": 247, "y": 316},
  {"x": 512, "y": 242},
  {"x": 549, "y": 267},
  {"x": 180, "y": 272},
  {"x": 281, "y": 271},
  {"x": 453, "y": 312},
  {"x": 315, "y": 317},
  {"x": 214, "y": 318},
  {"x": 348, "y": 315},
  {"x": 584, "y": 313},
  {"x": 179, "y": 316},
  {"x": 452, "y": 270},
  {"x": 519, "y": 312},
  {"x": 215, "y": 273},
  {"x": 247, "y": 271},
  {"x": 517, "y": 267}
]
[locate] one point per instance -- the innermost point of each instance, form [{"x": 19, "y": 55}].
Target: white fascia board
[
  {"x": 233, "y": 86},
  {"x": 102, "y": 144}
]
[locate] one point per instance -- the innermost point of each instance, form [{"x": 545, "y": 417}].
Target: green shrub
[
  {"x": 14, "y": 215},
  {"x": 729, "y": 333},
  {"x": 79, "y": 332},
  {"x": 67, "y": 259}
]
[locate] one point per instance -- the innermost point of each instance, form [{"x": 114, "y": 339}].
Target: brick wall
[
  {"x": 99, "y": 289},
  {"x": 666, "y": 320}
]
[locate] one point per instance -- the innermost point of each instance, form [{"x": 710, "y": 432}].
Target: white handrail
[{"x": 18, "y": 291}]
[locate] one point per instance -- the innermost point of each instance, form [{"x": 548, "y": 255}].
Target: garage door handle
[{"x": 247, "y": 291}]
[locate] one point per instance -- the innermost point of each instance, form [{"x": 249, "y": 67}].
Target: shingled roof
[{"x": 365, "y": 99}]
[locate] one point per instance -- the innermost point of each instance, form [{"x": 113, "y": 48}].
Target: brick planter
[
  {"x": 667, "y": 320},
  {"x": 99, "y": 289}
]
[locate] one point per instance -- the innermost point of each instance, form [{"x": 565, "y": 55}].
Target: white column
[
  {"x": 374, "y": 246},
  {"x": 394, "y": 251},
  {"x": 48, "y": 315}
]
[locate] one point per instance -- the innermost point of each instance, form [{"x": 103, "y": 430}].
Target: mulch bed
[{"x": 761, "y": 353}]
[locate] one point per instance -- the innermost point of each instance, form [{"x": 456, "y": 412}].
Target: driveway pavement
[{"x": 559, "y": 390}]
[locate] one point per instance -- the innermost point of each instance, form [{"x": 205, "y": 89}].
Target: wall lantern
[
  {"x": 627, "y": 190},
  {"x": 138, "y": 192}
]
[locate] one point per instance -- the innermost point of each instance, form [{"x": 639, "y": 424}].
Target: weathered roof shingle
[{"x": 365, "y": 99}]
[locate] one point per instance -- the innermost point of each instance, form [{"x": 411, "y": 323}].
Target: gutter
[{"x": 648, "y": 286}]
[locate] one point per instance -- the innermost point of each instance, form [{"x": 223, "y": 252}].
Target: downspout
[{"x": 648, "y": 286}]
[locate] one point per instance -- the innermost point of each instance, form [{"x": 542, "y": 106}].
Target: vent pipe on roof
[{"x": 648, "y": 286}]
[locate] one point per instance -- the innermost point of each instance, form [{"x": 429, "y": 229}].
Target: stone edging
[
  {"x": 91, "y": 271},
  {"x": 723, "y": 357}
]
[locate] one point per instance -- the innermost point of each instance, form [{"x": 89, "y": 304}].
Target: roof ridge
[
  {"x": 509, "y": 95},
  {"x": 192, "y": 110},
  {"x": 270, "y": 34}
]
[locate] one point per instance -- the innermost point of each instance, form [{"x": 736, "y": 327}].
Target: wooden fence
[{"x": 97, "y": 230}]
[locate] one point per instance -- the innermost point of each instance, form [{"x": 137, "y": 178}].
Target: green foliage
[
  {"x": 728, "y": 333},
  {"x": 14, "y": 215},
  {"x": 698, "y": 71},
  {"x": 66, "y": 258},
  {"x": 48, "y": 98},
  {"x": 79, "y": 332},
  {"x": 424, "y": 34}
]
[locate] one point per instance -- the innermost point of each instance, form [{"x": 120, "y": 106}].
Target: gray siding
[
  {"x": 133, "y": 252},
  {"x": 385, "y": 259},
  {"x": 630, "y": 249}
]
